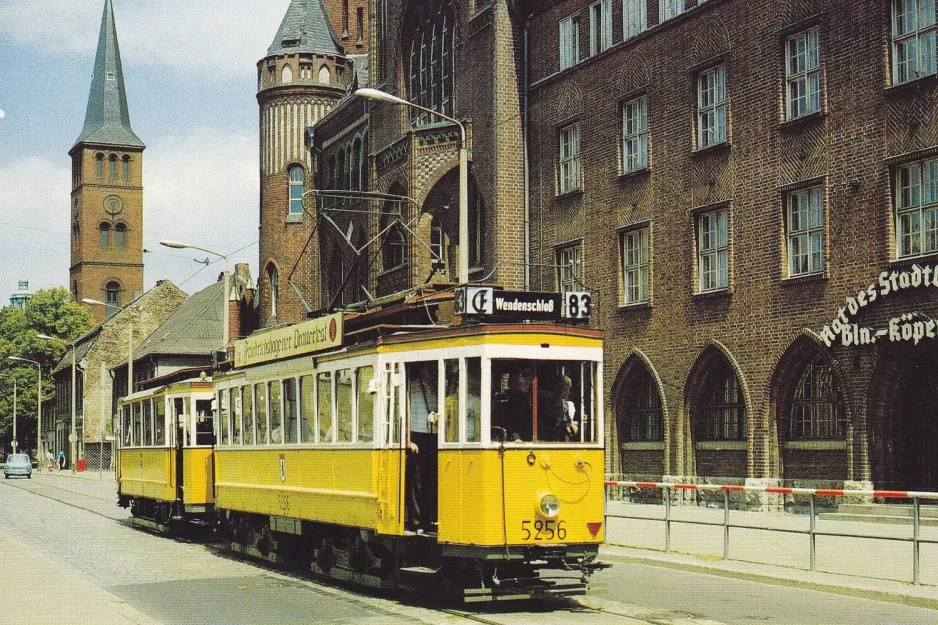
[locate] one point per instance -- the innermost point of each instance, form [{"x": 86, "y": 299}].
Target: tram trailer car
[
  {"x": 464, "y": 459},
  {"x": 164, "y": 465}
]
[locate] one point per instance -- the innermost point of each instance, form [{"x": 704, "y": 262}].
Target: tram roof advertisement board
[{"x": 302, "y": 338}]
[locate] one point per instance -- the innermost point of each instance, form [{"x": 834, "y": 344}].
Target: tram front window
[{"x": 543, "y": 401}]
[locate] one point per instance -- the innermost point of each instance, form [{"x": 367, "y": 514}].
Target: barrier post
[
  {"x": 667, "y": 518},
  {"x": 812, "y": 537},
  {"x": 726, "y": 524},
  {"x": 915, "y": 537}
]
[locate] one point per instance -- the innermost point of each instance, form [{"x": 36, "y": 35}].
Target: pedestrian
[{"x": 60, "y": 460}]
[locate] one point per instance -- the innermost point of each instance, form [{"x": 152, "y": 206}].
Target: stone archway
[{"x": 641, "y": 419}]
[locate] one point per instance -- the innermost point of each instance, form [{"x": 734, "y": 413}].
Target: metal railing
[{"x": 670, "y": 489}]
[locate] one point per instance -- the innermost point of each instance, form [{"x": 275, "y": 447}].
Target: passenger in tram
[
  {"x": 422, "y": 402},
  {"x": 514, "y": 406},
  {"x": 557, "y": 422}
]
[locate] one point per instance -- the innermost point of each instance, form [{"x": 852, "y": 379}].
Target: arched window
[
  {"x": 99, "y": 165},
  {"x": 274, "y": 280},
  {"x": 722, "y": 415},
  {"x": 113, "y": 166},
  {"x": 642, "y": 415},
  {"x": 362, "y": 175},
  {"x": 324, "y": 78},
  {"x": 112, "y": 297},
  {"x": 437, "y": 242},
  {"x": 430, "y": 74},
  {"x": 296, "y": 190},
  {"x": 392, "y": 247},
  {"x": 817, "y": 410},
  {"x": 120, "y": 235},
  {"x": 104, "y": 237},
  {"x": 125, "y": 162},
  {"x": 286, "y": 76}
]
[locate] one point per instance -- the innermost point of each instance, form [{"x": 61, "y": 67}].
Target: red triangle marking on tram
[{"x": 594, "y": 528}]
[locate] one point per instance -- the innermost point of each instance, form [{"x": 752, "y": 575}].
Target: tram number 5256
[
  {"x": 547, "y": 529},
  {"x": 579, "y": 304}
]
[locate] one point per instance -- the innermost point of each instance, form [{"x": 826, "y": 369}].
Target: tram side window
[
  {"x": 307, "y": 409},
  {"x": 260, "y": 413},
  {"x": 366, "y": 404},
  {"x": 343, "y": 397},
  {"x": 204, "y": 430},
  {"x": 138, "y": 426},
  {"x": 159, "y": 422},
  {"x": 181, "y": 420},
  {"x": 224, "y": 417},
  {"x": 125, "y": 426},
  {"x": 451, "y": 402},
  {"x": 147, "y": 422},
  {"x": 247, "y": 410},
  {"x": 276, "y": 427},
  {"x": 473, "y": 400},
  {"x": 289, "y": 410},
  {"x": 234, "y": 399},
  {"x": 390, "y": 408},
  {"x": 324, "y": 398}
]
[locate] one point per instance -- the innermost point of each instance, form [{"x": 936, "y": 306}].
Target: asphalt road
[{"x": 75, "y": 523}]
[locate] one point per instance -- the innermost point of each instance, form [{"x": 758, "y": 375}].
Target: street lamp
[
  {"x": 38, "y": 404},
  {"x": 13, "y": 442},
  {"x": 463, "y": 259},
  {"x": 73, "y": 435},
  {"x": 176, "y": 245}
]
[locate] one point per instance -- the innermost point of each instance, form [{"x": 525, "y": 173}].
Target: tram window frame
[
  {"x": 224, "y": 416},
  {"x": 126, "y": 427},
  {"x": 364, "y": 397},
  {"x": 275, "y": 411},
  {"x": 307, "y": 408},
  {"x": 234, "y": 400},
  {"x": 472, "y": 400},
  {"x": 137, "y": 440},
  {"x": 291, "y": 405},
  {"x": 146, "y": 408},
  {"x": 159, "y": 421},
  {"x": 247, "y": 414},
  {"x": 391, "y": 403},
  {"x": 203, "y": 434},
  {"x": 453, "y": 402},
  {"x": 325, "y": 400},
  {"x": 344, "y": 403},
  {"x": 261, "y": 424},
  {"x": 180, "y": 414}
]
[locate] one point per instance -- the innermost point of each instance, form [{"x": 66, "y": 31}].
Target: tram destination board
[{"x": 514, "y": 305}]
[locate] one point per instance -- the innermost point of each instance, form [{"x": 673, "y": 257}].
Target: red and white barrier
[{"x": 820, "y": 492}]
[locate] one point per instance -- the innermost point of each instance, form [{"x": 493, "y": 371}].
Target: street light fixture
[
  {"x": 73, "y": 434},
  {"x": 463, "y": 259},
  {"x": 38, "y": 404},
  {"x": 13, "y": 442},
  {"x": 177, "y": 245}
]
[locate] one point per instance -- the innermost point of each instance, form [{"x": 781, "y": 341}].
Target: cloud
[
  {"x": 2, "y": 113},
  {"x": 224, "y": 36}
]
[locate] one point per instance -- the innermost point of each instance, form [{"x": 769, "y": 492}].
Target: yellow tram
[
  {"x": 464, "y": 457},
  {"x": 164, "y": 465}
]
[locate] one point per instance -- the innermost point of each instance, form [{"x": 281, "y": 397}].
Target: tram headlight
[{"x": 548, "y": 505}]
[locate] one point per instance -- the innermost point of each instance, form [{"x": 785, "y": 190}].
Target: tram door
[
  {"x": 181, "y": 427},
  {"x": 423, "y": 407}
]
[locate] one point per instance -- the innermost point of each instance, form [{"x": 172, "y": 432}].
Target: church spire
[
  {"x": 107, "y": 119},
  {"x": 305, "y": 28}
]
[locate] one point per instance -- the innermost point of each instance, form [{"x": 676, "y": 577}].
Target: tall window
[
  {"x": 431, "y": 78},
  {"x": 803, "y": 74},
  {"x": 711, "y": 107},
  {"x": 669, "y": 8},
  {"x": 634, "y": 17},
  {"x": 570, "y": 159},
  {"x": 569, "y": 41},
  {"x": 296, "y": 190},
  {"x": 916, "y": 202},
  {"x": 120, "y": 235},
  {"x": 476, "y": 225},
  {"x": 722, "y": 408},
  {"x": 112, "y": 297},
  {"x": 99, "y": 165},
  {"x": 274, "y": 281},
  {"x": 125, "y": 168},
  {"x": 643, "y": 414},
  {"x": 817, "y": 409},
  {"x": 713, "y": 250},
  {"x": 104, "y": 235},
  {"x": 393, "y": 249},
  {"x": 112, "y": 163},
  {"x": 805, "y": 221},
  {"x": 286, "y": 75},
  {"x": 600, "y": 26},
  {"x": 635, "y": 265},
  {"x": 570, "y": 264},
  {"x": 913, "y": 39},
  {"x": 635, "y": 134}
]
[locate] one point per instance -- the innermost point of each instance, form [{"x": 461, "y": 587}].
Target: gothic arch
[{"x": 636, "y": 365}]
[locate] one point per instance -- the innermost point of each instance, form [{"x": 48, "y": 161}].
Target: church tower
[
  {"x": 304, "y": 73},
  {"x": 107, "y": 188}
]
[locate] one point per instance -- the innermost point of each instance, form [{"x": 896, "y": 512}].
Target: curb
[{"x": 685, "y": 563}]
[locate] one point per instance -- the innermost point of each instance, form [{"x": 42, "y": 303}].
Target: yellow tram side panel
[
  {"x": 148, "y": 473},
  {"x": 470, "y": 496},
  {"x": 351, "y": 487},
  {"x": 198, "y": 476}
]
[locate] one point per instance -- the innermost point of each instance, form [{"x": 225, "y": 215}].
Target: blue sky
[{"x": 189, "y": 69}]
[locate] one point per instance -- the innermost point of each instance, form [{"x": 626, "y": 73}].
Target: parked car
[{"x": 18, "y": 464}]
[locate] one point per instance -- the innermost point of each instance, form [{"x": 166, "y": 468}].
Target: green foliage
[{"x": 50, "y": 312}]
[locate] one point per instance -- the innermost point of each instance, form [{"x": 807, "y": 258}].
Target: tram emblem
[
  {"x": 474, "y": 301},
  {"x": 283, "y": 468}
]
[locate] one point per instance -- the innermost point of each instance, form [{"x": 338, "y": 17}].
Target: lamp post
[
  {"x": 176, "y": 245},
  {"x": 463, "y": 259},
  {"x": 38, "y": 404},
  {"x": 73, "y": 435},
  {"x": 13, "y": 442}
]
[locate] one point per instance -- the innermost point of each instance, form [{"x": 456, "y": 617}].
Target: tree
[{"x": 51, "y": 312}]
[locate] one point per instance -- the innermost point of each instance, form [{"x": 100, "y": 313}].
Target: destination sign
[
  {"x": 302, "y": 338},
  {"x": 514, "y": 304}
]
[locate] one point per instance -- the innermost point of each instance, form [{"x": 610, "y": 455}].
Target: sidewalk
[
  {"x": 41, "y": 593},
  {"x": 776, "y": 557}
]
